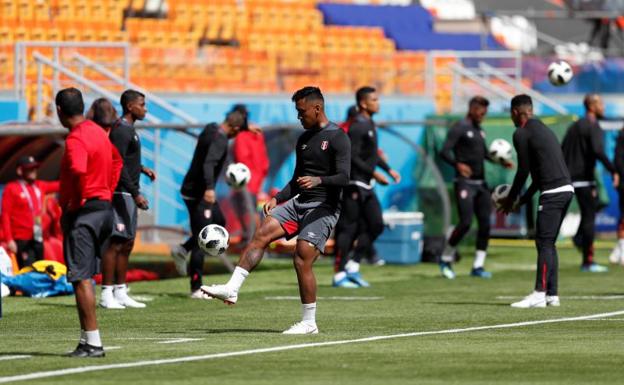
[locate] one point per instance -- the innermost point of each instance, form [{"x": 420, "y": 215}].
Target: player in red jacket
[
  {"x": 22, "y": 212},
  {"x": 250, "y": 149}
]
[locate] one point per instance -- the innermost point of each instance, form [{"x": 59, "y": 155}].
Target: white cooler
[{"x": 402, "y": 239}]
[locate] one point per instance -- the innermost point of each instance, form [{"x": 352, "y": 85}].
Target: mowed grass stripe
[{"x": 94, "y": 368}]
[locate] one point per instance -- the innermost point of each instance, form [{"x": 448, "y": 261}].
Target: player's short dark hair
[
  {"x": 521, "y": 100},
  {"x": 478, "y": 100},
  {"x": 103, "y": 113},
  {"x": 70, "y": 101},
  {"x": 363, "y": 92},
  {"x": 129, "y": 96},
  {"x": 308, "y": 93},
  {"x": 234, "y": 119}
]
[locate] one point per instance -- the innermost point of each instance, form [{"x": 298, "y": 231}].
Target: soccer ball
[
  {"x": 559, "y": 73},
  {"x": 237, "y": 175},
  {"x": 500, "y": 150},
  {"x": 500, "y": 193},
  {"x": 213, "y": 240}
]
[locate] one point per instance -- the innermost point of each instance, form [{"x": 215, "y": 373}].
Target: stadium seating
[{"x": 247, "y": 46}]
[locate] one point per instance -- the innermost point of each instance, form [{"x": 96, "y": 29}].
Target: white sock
[
  {"x": 309, "y": 312},
  {"x": 449, "y": 254},
  {"x": 352, "y": 267},
  {"x": 121, "y": 290},
  {"x": 107, "y": 290},
  {"x": 479, "y": 260},
  {"x": 93, "y": 338},
  {"x": 237, "y": 279},
  {"x": 83, "y": 337},
  {"x": 340, "y": 275}
]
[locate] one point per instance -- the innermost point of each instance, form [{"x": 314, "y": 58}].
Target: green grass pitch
[{"x": 402, "y": 299}]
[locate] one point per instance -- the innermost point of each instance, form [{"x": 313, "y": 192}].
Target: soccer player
[
  {"x": 308, "y": 206},
  {"x": 582, "y": 146},
  {"x": 540, "y": 155},
  {"x": 23, "y": 210},
  {"x": 90, "y": 170},
  {"x": 198, "y": 192},
  {"x": 466, "y": 151},
  {"x": 126, "y": 199},
  {"x": 617, "y": 255},
  {"x": 361, "y": 215}
]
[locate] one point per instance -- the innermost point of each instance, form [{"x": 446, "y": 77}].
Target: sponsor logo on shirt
[
  {"x": 324, "y": 145},
  {"x": 311, "y": 234},
  {"x": 470, "y": 134}
]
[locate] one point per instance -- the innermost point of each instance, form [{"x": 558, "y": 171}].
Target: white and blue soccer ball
[
  {"x": 501, "y": 150},
  {"x": 560, "y": 73},
  {"x": 237, "y": 175},
  {"x": 213, "y": 240},
  {"x": 500, "y": 192}
]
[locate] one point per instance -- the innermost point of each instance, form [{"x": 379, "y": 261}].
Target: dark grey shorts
[
  {"x": 311, "y": 221},
  {"x": 125, "y": 216},
  {"x": 86, "y": 234}
]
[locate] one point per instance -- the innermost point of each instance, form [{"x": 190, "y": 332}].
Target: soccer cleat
[
  {"x": 480, "y": 273},
  {"x": 198, "y": 294},
  {"x": 124, "y": 299},
  {"x": 357, "y": 279},
  {"x": 222, "y": 292},
  {"x": 302, "y": 328},
  {"x": 108, "y": 301},
  {"x": 594, "y": 268},
  {"x": 535, "y": 299},
  {"x": 86, "y": 350},
  {"x": 553, "y": 300},
  {"x": 345, "y": 282},
  {"x": 447, "y": 270},
  {"x": 180, "y": 259},
  {"x": 616, "y": 256}
]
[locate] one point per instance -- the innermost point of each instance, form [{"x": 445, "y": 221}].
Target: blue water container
[{"x": 402, "y": 239}]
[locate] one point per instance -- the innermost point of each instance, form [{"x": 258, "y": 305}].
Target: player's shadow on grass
[
  {"x": 224, "y": 331},
  {"x": 57, "y": 304}
]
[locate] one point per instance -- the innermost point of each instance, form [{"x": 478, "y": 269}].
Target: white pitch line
[
  {"x": 293, "y": 297},
  {"x": 94, "y": 368},
  {"x": 17, "y": 357},
  {"x": 107, "y": 348},
  {"x": 577, "y": 297},
  {"x": 179, "y": 340}
]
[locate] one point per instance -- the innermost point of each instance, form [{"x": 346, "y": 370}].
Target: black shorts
[
  {"x": 86, "y": 234},
  {"x": 309, "y": 221},
  {"x": 620, "y": 192},
  {"x": 125, "y": 216}
]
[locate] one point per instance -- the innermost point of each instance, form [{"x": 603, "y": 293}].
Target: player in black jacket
[
  {"x": 466, "y": 151},
  {"x": 126, "y": 199},
  {"x": 361, "y": 215},
  {"x": 540, "y": 155},
  {"x": 198, "y": 192},
  {"x": 617, "y": 255},
  {"x": 582, "y": 146},
  {"x": 307, "y": 207}
]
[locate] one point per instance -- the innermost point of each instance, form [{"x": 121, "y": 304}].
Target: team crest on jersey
[
  {"x": 207, "y": 213},
  {"x": 324, "y": 145},
  {"x": 463, "y": 194},
  {"x": 121, "y": 227},
  {"x": 371, "y": 133},
  {"x": 482, "y": 134},
  {"x": 470, "y": 134}
]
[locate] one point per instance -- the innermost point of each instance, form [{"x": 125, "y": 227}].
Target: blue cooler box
[{"x": 402, "y": 239}]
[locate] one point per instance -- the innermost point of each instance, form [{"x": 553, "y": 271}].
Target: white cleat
[
  {"x": 222, "y": 292},
  {"x": 535, "y": 299},
  {"x": 302, "y": 328},
  {"x": 198, "y": 294},
  {"x": 108, "y": 301},
  {"x": 124, "y": 299},
  {"x": 553, "y": 300},
  {"x": 615, "y": 257},
  {"x": 180, "y": 259}
]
